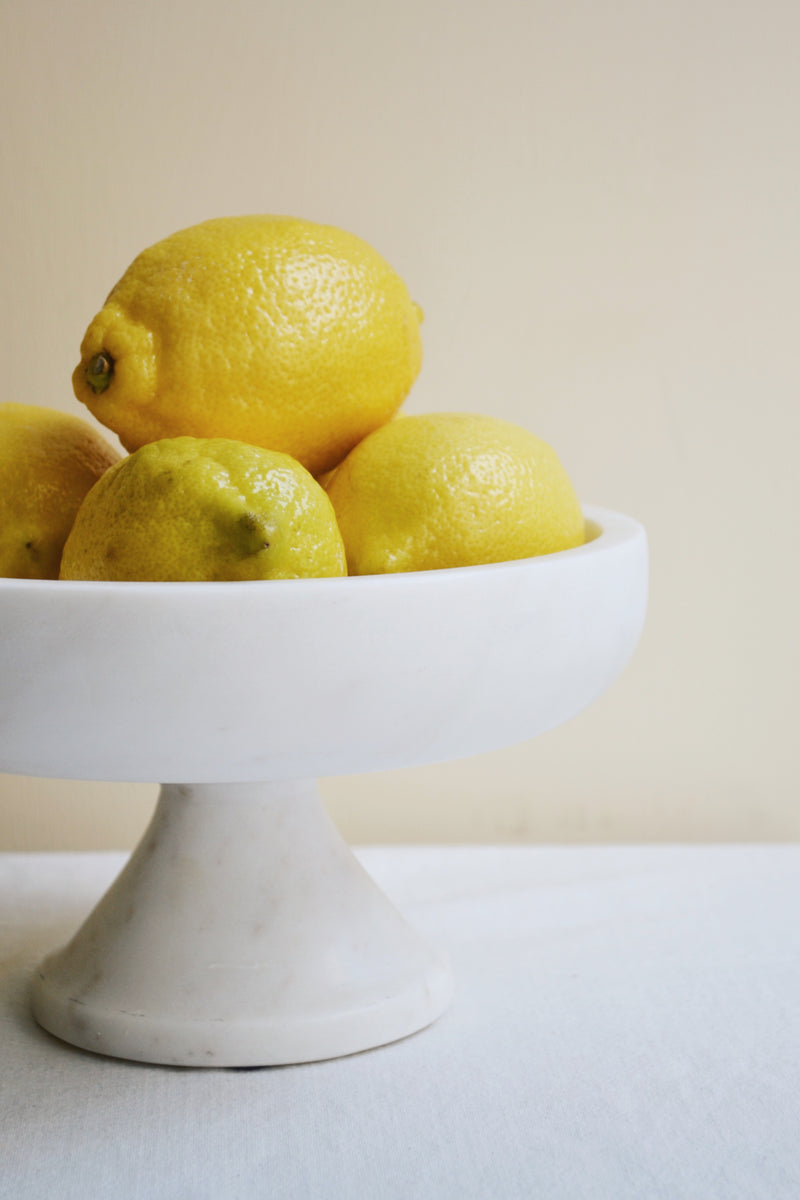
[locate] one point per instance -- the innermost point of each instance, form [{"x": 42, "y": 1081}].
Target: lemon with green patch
[{"x": 204, "y": 509}]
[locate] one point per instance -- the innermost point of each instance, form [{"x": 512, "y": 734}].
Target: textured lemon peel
[
  {"x": 49, "y": 460},
  {"x": 274, "y": 331},
  {"x": 446, "y": 490}
]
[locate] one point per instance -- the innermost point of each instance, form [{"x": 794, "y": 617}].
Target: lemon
[
  {"x": 48, "y": 462},
  {"x": 204, "y": 509},
  {"x": 452, "y": 490},
  {"x": 272, "y": 330}
]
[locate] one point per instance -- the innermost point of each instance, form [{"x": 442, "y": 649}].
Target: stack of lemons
[{"x": 253, "y": 367}]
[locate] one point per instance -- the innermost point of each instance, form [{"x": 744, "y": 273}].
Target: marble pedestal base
[{"x": 242, "y": 932}]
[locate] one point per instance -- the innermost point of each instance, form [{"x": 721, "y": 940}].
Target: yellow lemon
[
  {"x": 204, "y": 509},
  {"x": 48, "y": 462},
  {"x": 270, "y": 330},
  {"x": 452, "y": 490}
]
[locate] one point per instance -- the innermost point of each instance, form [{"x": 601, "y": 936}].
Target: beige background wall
[{"x": 597, "y": 206}]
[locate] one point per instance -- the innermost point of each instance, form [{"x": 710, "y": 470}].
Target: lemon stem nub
[{"x": 100, "y": 371}]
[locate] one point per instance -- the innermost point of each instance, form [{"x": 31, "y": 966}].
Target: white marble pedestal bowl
[{"x": 243, "y": 931}]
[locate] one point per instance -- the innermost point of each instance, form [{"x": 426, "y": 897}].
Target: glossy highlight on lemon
[
  {"x": 204, "y": 509},
  {"x": 48, "y": 462},
  {"x": 452, "y": 490},
  {"x": 272, "y": 330}
]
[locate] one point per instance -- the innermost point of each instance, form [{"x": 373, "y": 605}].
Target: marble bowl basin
[{"x": 290, "y": 679}]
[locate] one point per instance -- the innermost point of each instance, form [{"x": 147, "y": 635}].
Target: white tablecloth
[{"x": 625, "y": 1025}]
